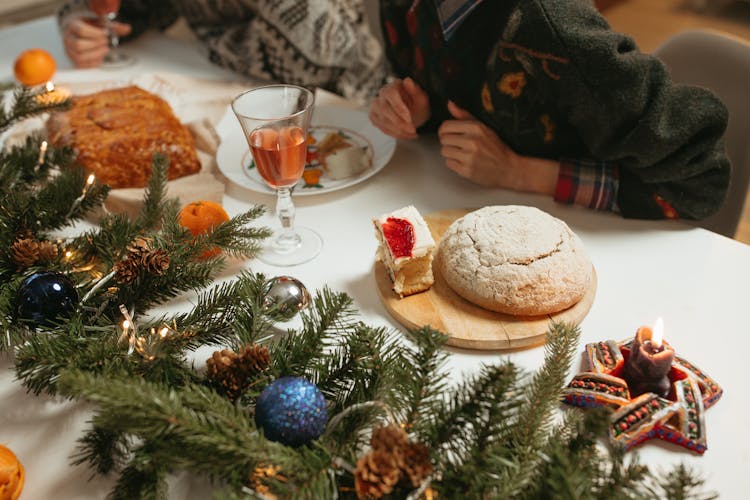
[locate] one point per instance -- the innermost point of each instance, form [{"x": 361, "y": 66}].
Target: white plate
[{"x": 235, "y": 161}]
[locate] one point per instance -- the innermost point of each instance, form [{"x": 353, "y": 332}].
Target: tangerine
[
  {"x": 11, "y": 475},
  {"x": 34, "y": 67},
  {"x": 201, "y": 217}
]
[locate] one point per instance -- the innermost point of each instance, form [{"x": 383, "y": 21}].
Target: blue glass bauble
[
  {"x": 291, "y": 411},
  {"x": 46, "y": 296}
]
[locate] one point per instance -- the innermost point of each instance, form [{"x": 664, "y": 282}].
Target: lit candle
[{"x": 650, "y": 361}]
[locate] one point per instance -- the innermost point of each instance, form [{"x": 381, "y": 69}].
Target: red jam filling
[{"x": 399, "y": 234}]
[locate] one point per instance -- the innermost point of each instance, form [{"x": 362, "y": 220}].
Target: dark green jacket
[{"x": 554, "y": 81}]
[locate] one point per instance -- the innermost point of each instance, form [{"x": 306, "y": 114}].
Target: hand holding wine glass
[
  {"x": 106, "y": 11},
  {"x": 275, "y": 120}
]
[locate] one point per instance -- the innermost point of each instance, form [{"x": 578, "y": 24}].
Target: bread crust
[
  {"x": 116, "y": 132},
  {"x": 515, "y": 260}
]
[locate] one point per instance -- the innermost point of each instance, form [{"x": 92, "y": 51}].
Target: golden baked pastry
[{"x": 116, "y": 132}]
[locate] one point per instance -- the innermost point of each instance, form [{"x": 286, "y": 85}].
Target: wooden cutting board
[{"x": 467, "y": 325}]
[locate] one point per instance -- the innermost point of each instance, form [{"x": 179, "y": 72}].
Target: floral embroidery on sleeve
[
  {"x": 512, "y": 84},
  {"x": 549, "y": 127},
  {"x": 666, "y": 208},
  {"x": 487, "y": 99}
]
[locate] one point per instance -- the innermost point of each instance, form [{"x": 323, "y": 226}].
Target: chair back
[{"x": 721, "y": 63}]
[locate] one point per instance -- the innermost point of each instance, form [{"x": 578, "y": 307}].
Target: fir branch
[
  {"x": 103, "y": 450},
  {"x": 236, "y": 237},
  {"x": 142, "y": 478},
  {"x": 328, "y": 315},
  {"x": 469, "y": 429},
  {"x": 53, "y": 204},
  {"x": 424, "y": 383},
  {"x": 20, "y": 167},
  {"x": 154, "y": 198},
  {"x": 544, "y": 390},
  {"x": 362, "y": 368},
  {"x": 535, "y": 415},
  {"x": 25, "y": 104},
  {"x": 11, "y": 334},
  {"x": 220, "y": 312},
  {"x": 681, "y": 483},
  {"x": 197, "y": 430}
]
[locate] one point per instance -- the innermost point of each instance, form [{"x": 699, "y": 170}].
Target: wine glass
[
  {"x": 106, "y": 11},
  {"x": 275, "y": 119}
]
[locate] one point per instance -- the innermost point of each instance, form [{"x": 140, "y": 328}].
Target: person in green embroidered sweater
[{"x": 542, "y": 96}]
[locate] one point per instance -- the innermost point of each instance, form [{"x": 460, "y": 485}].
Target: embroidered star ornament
[{"x": 677, "y": 418}]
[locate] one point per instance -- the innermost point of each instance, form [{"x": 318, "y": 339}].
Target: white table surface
[{"x": 698, "y": 281}]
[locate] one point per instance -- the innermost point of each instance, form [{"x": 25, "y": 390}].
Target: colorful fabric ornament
[{"x": 677, "y": 418}]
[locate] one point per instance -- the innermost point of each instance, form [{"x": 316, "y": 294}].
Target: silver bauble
[{"x": 284, "y": 297}]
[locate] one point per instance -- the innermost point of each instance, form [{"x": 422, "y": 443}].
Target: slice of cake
[{"x": 405, "y": 248}]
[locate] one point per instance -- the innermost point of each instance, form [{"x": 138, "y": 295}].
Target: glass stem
[
  {"x": 114, "y": 40},
  {"x": 288, "y": 240}
]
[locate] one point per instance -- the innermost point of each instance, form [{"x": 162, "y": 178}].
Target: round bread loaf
[{"x": 514, "y": 260}]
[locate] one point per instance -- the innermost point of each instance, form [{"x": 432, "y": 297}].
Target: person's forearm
[{"x": 536, "y": 175}]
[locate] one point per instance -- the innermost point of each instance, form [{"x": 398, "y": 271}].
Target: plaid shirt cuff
[{"x": 591, "y": 184}]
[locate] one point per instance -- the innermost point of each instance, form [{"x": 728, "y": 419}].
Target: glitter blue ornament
[
  {"x": 45, "y": 297},
  {"x": 291, "y": 411}
]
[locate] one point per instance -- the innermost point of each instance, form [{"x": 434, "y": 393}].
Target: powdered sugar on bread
[{"x": 515, "y": 260}]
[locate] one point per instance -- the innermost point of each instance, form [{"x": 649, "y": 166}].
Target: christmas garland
[{"x": 333, "y": 409}]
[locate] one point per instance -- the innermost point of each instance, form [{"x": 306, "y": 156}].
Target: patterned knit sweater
[
  {"x": 554, "y": 81},
  {"x": 324, "y": 43}
]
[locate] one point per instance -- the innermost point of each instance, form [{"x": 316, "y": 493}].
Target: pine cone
[
  {"x": 391, "y": 438},
  {"x": 156, "y": 262},
  {"x": 416, "y": 463},
  {"x": 126, "y": 271},
  {"x": 24, "y": 252},
  {"x": 255, "y": 358},
  {"x": 259, "y": 476},
  {"x": 139, "y": 246},
  {"x": 376, "y": 474},
  {"x": 233, "y": 373},
  {"x": 47, "y": 251}
]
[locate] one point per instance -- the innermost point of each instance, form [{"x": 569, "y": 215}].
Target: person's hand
[
  {"x": 473, "y": 150},
  {"x": 400, "y": 108},
  {"x": 86, "y": 42}
]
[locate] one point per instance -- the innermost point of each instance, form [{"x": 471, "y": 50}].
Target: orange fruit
[
  {"x": 34, "y": 67},
  {"x": 11, "y": 475},
  {"x": 201, "y": 217}
]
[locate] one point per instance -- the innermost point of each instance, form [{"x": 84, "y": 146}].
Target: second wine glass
[
  {"x": 275, "y": 120},
  {"x": 106, "y": 11}
]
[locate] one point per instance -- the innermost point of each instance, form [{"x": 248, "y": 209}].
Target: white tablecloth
[{"x": 699, "y": 282}]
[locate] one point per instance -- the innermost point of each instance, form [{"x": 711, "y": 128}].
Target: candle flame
[{"x": 657, "y": 333}]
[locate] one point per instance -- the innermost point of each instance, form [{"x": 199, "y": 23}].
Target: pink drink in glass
[
  {"x": 104, "y": 8},
  {"x": 279, "y": 154}
]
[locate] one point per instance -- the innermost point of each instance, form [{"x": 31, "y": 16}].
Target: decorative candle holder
[{"x": 678, "y": 417}]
